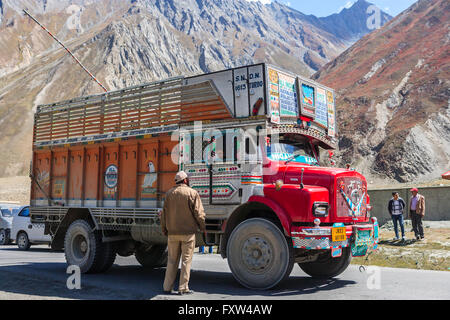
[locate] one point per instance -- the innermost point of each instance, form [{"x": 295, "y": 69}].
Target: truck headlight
[{"x": 320, "y": 209}]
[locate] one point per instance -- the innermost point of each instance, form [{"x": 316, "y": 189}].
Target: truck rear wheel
[
  {"x": 259, "y": 255},
  {"x": 83, "y": 247},
  {"x": 109, "y": 256},
  {"x": 326, "y": 266},
  {"x": 154, "y": 256}
]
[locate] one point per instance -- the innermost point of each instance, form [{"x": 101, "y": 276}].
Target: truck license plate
[{"x": 338, "y": 234}]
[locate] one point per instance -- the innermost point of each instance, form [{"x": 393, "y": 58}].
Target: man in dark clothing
[{"x": 396, "y": 209}]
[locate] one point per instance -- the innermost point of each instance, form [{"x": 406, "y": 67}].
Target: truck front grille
[{"x": 351, "y": 197}]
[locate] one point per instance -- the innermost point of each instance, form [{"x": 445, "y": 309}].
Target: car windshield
[
  {"x": 291, "y": 150},
  {"x": 7, "y": 212}
]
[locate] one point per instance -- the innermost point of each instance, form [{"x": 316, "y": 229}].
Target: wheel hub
[
  {"x": 22, "y": 240},
  {"x": 83, "y": 246},
  {"x": 256, "y": 254},
  {"x": 80, "y": 247}
]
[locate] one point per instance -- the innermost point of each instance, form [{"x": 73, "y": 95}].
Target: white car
[
  {"x": 7, "y": 211},
  {"x": 27, "y": 233}
]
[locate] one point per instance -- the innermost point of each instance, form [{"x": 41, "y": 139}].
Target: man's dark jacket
[{"x": 391, "y": 205}]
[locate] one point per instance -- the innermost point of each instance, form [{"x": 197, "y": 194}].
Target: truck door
[{"x": 210, "y": 159}]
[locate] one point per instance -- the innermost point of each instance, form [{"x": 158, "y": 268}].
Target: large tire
[
  {"x": 22, "y": 241},
  {"x": 4, "y": 237},
  {"x": 109, "y": 256},
  {"x": 152, "y": 257},
  {"x": 259, "y": 255},
  {"x": 83, "y": 247},
  {"x": 327, "y": 267}
]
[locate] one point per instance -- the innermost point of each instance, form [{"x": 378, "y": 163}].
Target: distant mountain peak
[{"x": 126, "y": 43}]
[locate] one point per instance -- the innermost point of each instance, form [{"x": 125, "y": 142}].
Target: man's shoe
[
  {"x": 182, "y": 293},
  {"x": 169, "y": 292},
  {"x": 396, "y": 238}
]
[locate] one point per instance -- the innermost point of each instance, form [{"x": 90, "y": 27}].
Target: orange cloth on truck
[{"x": 183, "y": 212}]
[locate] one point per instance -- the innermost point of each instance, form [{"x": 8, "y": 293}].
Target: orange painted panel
[
  {"x": 127, "y": 172},
  {"x": 75, "y": 175},
  {"x": 58, "y": 175},
  {"x": 41, "y": 173},
  {"x": 91, "y": 173},
  {"x": 141, "y": 169},
  {"x": 169, "y": 164},
  {"x": 110, "y": 174},
  {"x": 148, "y": 168}
]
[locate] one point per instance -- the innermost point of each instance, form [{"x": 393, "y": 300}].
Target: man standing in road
[
  {"x": 396, "y": 207},
  {"x": 181, "y": 218},
  {"x": 417, "y": 212}
]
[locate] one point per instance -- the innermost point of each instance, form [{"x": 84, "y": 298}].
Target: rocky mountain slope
[
  {"x": 394, "y": 95},
  {"x": 134, "y": 41}
]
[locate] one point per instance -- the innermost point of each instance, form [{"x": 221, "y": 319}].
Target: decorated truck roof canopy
[{"x": 256, "y": 91}]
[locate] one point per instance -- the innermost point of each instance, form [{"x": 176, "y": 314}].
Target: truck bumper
[{"x": 360, "y": 238}]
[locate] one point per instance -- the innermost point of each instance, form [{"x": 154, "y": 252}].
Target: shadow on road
[
  {"x": 48, "y": 280},
  {"x": 39, "y": 249},
  {"x": 398, "y": 243},
  {"x": 223, "y": 283}
]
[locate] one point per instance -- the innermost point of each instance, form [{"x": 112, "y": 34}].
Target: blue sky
[{"x": 322, "y": 8}]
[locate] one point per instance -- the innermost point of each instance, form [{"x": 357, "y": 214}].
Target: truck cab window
[{"x": 299, "y": 151}]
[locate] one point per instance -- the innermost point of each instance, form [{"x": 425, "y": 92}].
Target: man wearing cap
[
  {"x": 182, "y": 217},
  {"x": 417, "y": 212}
]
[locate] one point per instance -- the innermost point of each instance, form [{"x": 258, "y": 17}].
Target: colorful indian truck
[{"x": 253, "y": 141}]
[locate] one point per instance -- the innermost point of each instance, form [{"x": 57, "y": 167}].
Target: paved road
[{"x": 41, "y": 274}]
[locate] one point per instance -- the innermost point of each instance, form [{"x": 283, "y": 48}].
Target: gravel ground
[
  {"x": 15, "y": 189},
  {"x": 426, "y": 224}
]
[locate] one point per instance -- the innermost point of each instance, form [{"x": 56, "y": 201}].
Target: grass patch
[
  {"x": 421, "y": 261},
  {"x": 431, "y": 254}
]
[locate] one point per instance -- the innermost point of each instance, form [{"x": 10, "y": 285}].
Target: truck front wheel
[
  {"x": 83, "y": 247},
  {"x": 259, "y": 255},
  {"x": 326, "y": 266},
  {"x": 154, "y": 256}
]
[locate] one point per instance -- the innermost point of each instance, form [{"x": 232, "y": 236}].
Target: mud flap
[
  {"x": 363, "y": 240},
  {"x": 376, "y": 235}
]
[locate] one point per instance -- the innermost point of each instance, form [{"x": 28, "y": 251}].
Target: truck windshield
[{"x": 292, "y": 150}]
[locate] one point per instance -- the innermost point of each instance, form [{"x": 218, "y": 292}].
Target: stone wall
[{"x": 437, "y": 202}]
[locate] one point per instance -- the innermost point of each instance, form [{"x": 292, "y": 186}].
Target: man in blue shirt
[{"x": 396, "y": 208}]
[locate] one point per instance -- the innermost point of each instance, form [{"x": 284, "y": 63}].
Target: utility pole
[{"x": 68, "y": 51}]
